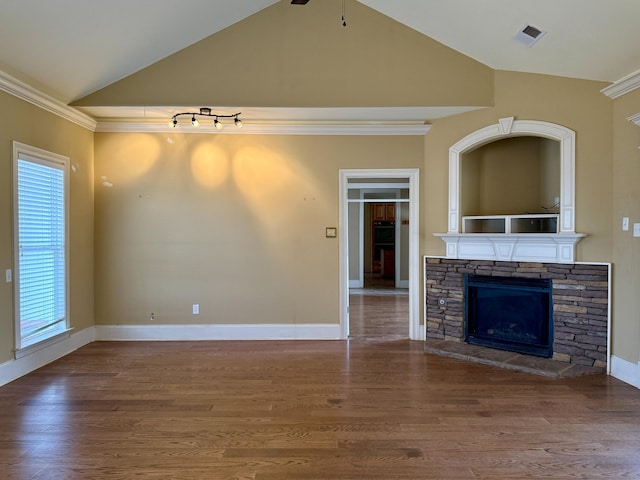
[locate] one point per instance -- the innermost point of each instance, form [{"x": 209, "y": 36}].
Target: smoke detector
[{"x": 528, "y": 35}]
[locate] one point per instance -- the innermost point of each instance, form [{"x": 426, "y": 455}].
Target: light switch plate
[
  {"x": 625, "y": 224},
  {"x": 636, "y": 229},
  {"x": 331, "y": 232},
  {"x": 196, "y": 309},
  {"x": 8, "y": 276}
]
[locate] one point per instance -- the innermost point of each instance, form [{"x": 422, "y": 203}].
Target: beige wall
[
  {"x": 28, "y": 124},
  {"x": 502, "y": 177},
  {"x": 235, "y": 223},
  {"x": 626, "y": 248},
  {"x": 303, "y": 57},
  {"x": 575, "y": 104}
]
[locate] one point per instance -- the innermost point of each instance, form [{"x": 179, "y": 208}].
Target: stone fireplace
[
  {"x": 499, "y": 227},
  {"x": 580, "y": 303}
]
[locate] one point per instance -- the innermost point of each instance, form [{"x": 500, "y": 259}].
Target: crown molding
[
  {"x": 25, "y": 92},
  {"x": 270, "y": 128},
  {"x": 635, "y": 119},
  {"x": 623, "y": 86}
]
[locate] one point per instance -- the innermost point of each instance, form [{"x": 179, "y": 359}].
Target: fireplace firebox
[{"x": 509, "y": 313}]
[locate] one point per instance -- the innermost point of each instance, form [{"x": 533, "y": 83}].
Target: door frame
[
  {"x": 416, "y": 331},
  {"x": 368, "y": 189}
]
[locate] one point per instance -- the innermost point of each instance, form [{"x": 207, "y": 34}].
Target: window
[{"x": 40, "y": 229}]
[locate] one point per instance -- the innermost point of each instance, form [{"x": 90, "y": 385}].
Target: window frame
[{"x": 42, "y": 157}]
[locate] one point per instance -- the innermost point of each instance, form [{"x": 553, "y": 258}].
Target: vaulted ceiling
[{"x": 71, "y": 48}]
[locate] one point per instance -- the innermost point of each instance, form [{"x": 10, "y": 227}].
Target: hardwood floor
[
  {"x": 381, "y": 315},
  {"x": 308, "y": 410},
  {"x": 379, "y": 311}
]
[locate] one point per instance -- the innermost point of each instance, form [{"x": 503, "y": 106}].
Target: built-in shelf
[
  {"x": 536, "y": 238},
  {"x": 529, "y": 223}
]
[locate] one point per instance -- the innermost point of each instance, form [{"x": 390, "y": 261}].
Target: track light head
[
  {"x": 194, "y": 121},
  {"x": 237, "y": 122},
  {"x": 217, "y": 124}
]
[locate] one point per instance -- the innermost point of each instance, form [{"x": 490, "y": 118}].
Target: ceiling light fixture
[{"x": 206, "y": 112}]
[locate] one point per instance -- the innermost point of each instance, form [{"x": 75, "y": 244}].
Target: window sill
[{"x": 41, "y": 344}]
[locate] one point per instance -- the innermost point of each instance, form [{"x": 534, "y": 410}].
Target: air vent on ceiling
[
  {"x": 528, "y": 35},
  {"x": 299, "y": 2}
]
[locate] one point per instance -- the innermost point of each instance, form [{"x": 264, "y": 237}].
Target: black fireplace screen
[{"x": 509, "y": 313}]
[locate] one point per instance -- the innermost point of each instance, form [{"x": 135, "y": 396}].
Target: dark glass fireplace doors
[{"x": 507, "y": 313}]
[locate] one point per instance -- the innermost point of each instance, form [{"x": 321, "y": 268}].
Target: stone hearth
[{"x": 580, "y": 313}]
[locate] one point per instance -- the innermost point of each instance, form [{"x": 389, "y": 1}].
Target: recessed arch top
[{"x": 506, "y": 128}]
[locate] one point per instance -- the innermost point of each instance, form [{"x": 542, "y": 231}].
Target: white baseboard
[
  {"x": 218, "y": 332},
  {"x": 13, "y": 369},
  {"x": 626, "y": 371}
]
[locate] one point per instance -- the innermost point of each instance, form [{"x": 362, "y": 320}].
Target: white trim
[
  {"x": 14, "y": 369},
  {"x": 416, "y": 331},
  {"x": 516, "y": 247},
  {"x": 25, "y": 92},
  {"x": 519, "y": 128},
  {"x": 372, "y": 188},
  {"x": 47, "y": 342},
  {"x": 218, "y": 332},
  {"x": 380, "y": 200},
  {"x": 377, "y": 186},
  {"x": 42, "y": 157},
  {"x": 623, "y": 86},
  {"x": 635, "y": 119},
  {"x": 270, "y": 129},
  {"x": 559, "y": 247},
  {"x": 626, "y": 371}
]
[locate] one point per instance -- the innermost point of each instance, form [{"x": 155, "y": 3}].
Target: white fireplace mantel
[
  {"x": 515, "y": 247},
  {"x": 556, "y": 247}
]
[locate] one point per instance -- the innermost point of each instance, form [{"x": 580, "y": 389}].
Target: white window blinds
[{"x": 41, "y": 263}]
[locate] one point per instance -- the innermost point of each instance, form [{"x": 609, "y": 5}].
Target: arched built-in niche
[
  {"x": 510, "y": 176},
  {"x": 558, "y": 247}
]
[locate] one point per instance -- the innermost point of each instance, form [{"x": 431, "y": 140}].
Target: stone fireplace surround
[{"x": 580, "y": 303}]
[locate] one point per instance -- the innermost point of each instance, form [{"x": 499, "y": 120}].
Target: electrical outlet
[
  {"x": 196, "y": 309},
  {"x": 152, "y": 317},
  {"x": 8, "y": 277}
]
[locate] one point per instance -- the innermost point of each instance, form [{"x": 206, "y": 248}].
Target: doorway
[{"x": 387, "y": 264}]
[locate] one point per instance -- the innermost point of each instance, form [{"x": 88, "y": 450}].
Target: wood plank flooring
[
  {"x": 307, "y": 410},
  {"x": 379, "y": 314}
]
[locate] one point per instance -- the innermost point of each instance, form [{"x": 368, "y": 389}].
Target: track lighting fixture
[{"x": 206, "y": 112}]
